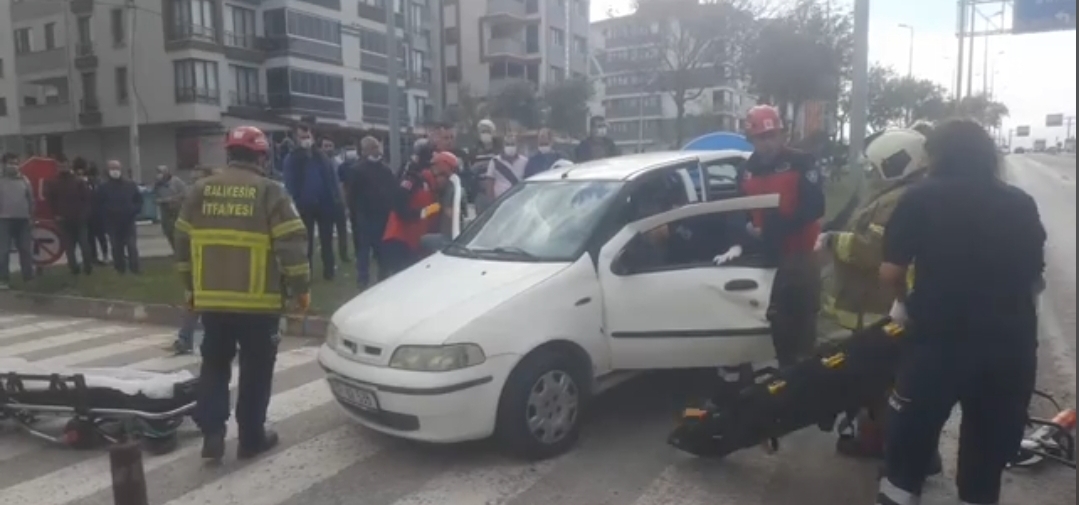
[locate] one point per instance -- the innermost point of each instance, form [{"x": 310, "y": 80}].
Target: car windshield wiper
[
  {"x": 461, "y": 250},
  {"x": 508, "y": 251}
]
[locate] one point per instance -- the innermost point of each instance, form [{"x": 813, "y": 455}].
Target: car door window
[
  {"x": 722, "y": 178},
  {"x": 687, "y": 243}
]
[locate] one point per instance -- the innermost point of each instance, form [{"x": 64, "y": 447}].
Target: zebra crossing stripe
[
  {"x": 15, "y": 318},
  {"x": 59, "y": 340},
  {"x": 19, "y": 331},
  {"x": 104, "y": 351},
  {"x": 275, "y": 479},
  {"x": 487, "y": 485}
]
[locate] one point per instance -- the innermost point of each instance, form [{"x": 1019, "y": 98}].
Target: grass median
[{"x": 160, "y": 284}]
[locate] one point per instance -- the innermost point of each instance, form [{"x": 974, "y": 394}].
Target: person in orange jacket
[{"x": 415, "y": 212}]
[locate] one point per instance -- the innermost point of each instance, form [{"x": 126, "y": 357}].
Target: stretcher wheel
[{"x": 81, "y": 433}]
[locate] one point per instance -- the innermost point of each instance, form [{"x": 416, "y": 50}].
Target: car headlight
[
  {"x": 333, "y": 337},
  {"x": 437, "y": 358}
]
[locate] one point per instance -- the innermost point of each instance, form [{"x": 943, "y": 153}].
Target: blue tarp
[{"x": 718, "y": 141}]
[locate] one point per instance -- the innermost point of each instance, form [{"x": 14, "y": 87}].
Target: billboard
[
  {"x": 1022, "y": 131},
  {"x": 1053, "y": 120},
  {"x": 1037, "y": 16}
]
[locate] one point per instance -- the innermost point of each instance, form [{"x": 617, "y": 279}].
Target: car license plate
[{"x": 357, "y": 397}]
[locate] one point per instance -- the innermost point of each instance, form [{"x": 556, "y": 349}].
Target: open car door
[
  {"x": 463, "y": 212},
  {"x": 675, "y": 308}
]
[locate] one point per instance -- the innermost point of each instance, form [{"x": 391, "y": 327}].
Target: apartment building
[
  {"x": 489, "y": 43},
  {"x": 202, "y": 66},
  {"x": 9, "y": 108},
  {"x": 640, "y": 114}
]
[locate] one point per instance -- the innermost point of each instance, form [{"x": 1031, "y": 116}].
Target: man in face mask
[
  {"x": 168, "y": 193},
  {"x": 121, "y": 202},
  {"x": 506, "y": 170},
  {"x": 370, "y": 189},
  {"x": 313, "y": 185},
  {"x": 16, "y": 211},
  {"x": 545, "y": 157},
  {"x": 341, "y": 218},
  {"x": 597, "y": 145}
]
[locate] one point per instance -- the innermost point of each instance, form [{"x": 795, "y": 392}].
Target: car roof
[{"x": 631, "y": 166}]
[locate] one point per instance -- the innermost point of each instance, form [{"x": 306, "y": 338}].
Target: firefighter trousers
[
  {"x": 793, "y": 307},
  {"x": 254, "y": 337},
  {"x": 994, "y": 393}
]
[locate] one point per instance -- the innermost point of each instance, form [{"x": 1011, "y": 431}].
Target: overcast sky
[{"x": 1034, "y": 74}]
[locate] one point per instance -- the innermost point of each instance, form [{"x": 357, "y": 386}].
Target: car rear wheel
[{"x": 539, "y": 413}]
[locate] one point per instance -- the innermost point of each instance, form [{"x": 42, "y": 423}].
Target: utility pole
[
  {"x": 133, "y": 99},
  {"x": 1068, "y": 123},
  {"x": 970, "y": 62},
  {"x": 859, "y": 94},
  {"x": 961, "y": 36},
  {"x": 910, "y": 50},
  {"x": 393, "y": 122}
]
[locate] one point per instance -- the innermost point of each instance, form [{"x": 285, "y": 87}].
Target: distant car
[{"x": 1019, "y": 150}]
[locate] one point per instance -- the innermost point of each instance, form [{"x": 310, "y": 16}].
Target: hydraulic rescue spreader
[{"x": 764, "y": 405}]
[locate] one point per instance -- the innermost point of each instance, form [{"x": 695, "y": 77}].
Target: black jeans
[
  {"x": 367, "y": 234},
  {"x": 340, "y": 223},
  {"x": 322, "y": 220},
  {"x": 99, "y": 239},
  {"x": 76, "y": 234},
  {"x": 793, "y": 307},
  {"x": 254, "y": 336},
  {"x": 125, "y": 249},
  {"x": 994, "y": 392}
]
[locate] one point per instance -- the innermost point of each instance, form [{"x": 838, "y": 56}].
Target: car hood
[{"x": 427, "y": 303}]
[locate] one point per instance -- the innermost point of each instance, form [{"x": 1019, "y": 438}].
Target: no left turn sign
[{"x": 47, "y": 246}]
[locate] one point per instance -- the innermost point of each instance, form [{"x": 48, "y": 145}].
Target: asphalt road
[{"x": 622, "y": 459}]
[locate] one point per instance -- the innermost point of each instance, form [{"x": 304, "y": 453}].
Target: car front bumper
[{"x": 444, "y": 407}]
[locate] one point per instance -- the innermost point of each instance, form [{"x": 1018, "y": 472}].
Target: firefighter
[
  {"x": 971, "y": 320},
  {"x": 787, "y": 234},
  {"x": 414, "y": 209},
  {"x": 240, "y": 248},
  {"x": 855, "y": 299}
]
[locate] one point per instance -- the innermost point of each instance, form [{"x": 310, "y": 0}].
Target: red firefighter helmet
[
  {"x": 248, "y": 137},
  {"x": 444, "y": 163},
  {"x": 762, "y": 119}
]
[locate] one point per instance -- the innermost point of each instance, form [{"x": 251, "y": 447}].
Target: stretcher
[
  {"x": 103, "y": 405},
  {"x": 761, "y": 406}
]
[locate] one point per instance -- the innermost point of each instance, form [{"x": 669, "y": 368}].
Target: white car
[{"x": 552, "y": 295}]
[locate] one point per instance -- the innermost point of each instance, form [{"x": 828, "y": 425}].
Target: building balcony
[
  {"x": 85, "y": 58},
  {"x": 27, "y": 64},
  {"x": 45, "y": 114},
  {"x": 82, "y": 7},
  {"x": 245, "y": 47},
  {"x": 512, "y": 8},
  {"x": 183, "y": 36},
  {"x": 198, "y": 95},
  {"x": 89, "y": 112},
  {"x": 247, "y": 101},
  {"x": 288, "y": 103},
  {"x": 507, "y": 47},
  {"x": 282, "y": 45}
]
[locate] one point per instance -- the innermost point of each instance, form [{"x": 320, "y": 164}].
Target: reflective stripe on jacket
[{"x": 240, "y": 242}]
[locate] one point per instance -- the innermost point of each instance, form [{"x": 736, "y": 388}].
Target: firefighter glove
[
  {"x": 430, "y": 210},
  {"x": 731, "y": 254},
  {"x": 825, "y": 242},
  {"x": 898, "y": 312},
  {"x": 303, "y": 301}
]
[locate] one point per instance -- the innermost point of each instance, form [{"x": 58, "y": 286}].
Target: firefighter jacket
[
  {"x": 792, "y": 229},
  {"x": 240, "y": 243},
  {"x": 855, "y": 298},
  {"x": 407, "y": 222}
]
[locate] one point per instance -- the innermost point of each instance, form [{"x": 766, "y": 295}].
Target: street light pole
[
  {"x": 910, "y": 50},
  {"x": 393, "y": 121},
  {"x": 970, "y": 62},
  {"x": 859, "y": 94},
  {"x": 961, "y": 36},
  {"x": 133, "y": 133}
]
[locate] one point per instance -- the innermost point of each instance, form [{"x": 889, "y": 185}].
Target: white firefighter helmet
[
  {"x": 897, "y": 153},
  {"x": 486, "y": 125},
  {"x": 562, "y": 163}
]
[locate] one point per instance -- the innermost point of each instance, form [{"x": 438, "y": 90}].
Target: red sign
[
  {"x": 39, "y": 171},
  {"x": 48, "y": 247}
]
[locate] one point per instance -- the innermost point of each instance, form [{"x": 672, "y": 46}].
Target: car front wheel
[{"x": 539, "y": 413}]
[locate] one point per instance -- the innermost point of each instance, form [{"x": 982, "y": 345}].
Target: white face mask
[
  {"x": 601, "y": 131},
  {"x": 374, "y": 157},
  {"x": 306, "y": 143},
  {"x": 510, "y": 150},
  {"x": 544, "y": 149},
  {"x": 351, "y": 154},
  {"x": 115, "y": 174},
  {"x": 485, "y": 138}
]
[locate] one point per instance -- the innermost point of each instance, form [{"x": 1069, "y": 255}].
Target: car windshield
[{"x": 538, "y": 221}]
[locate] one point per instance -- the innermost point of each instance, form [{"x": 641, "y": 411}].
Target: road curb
[{"x": 131, "y": 312}]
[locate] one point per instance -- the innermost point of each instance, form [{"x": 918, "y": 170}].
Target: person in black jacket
[
  {"x": 99, "y": 240},
  {"x": 120, "y": 202},
  {"x": 598, "y": 145},
  {"x": 369, "y": 186}
]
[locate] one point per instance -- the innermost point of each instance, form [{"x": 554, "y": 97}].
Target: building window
[
  {"x": 451, "y": 36},
  {"x": 121, "y": 85},
  {"x": 116, "y": 24},
  {"x": 453, "y": 74},
  {"x": 22, "y": 41},
  {"x": 3, "y": 106},
  {"x": 316, "y": 84},
  {"x": 196, "y": 81},
  {"x": 558, "y": 37},
  {"x": 245, "y": 81},
  {"x": 327, "y": 31},
  {"x": 557, "y": 73},
  {"x": 50, "y": 36},
  {"x": 83, "y": 34},
  {"x": 372, "y": 41},
  {"x": 1, "y": 68},
  {"x": 580, "y": 45},
  {"x": 193, "y": 19},
  {"x": 327, "y": 4},
  {"x": 89, "y": 85},
  {"x": 242, "y": 31}
]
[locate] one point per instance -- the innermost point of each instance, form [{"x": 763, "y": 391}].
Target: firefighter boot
[{"x": 213, "y": 446}]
